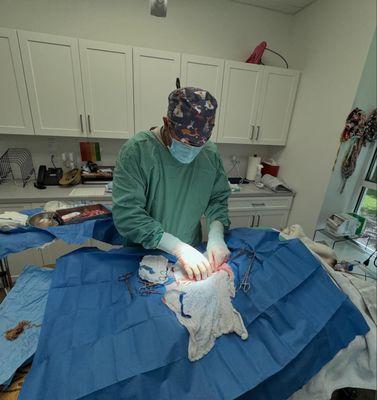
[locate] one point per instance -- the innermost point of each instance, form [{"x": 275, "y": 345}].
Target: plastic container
[{"x": 271, "y": 169}]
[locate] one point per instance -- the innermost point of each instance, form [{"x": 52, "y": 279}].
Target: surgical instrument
[{"x": 126, "y": 278}]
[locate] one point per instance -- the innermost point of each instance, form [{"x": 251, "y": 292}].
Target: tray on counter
[{"x": 83, "y": 213}]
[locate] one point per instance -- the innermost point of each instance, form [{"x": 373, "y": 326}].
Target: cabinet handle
[
  {"x": 258, "y": 204},
  {"x": 89, "y": 124},
  {"x": 252, "y": 224},
  {"x": 81, "y": 124},
  {"x": 258, "y": 127},
  {"x": 251, "y": 137},
  {"x": 258, "y": 220}
]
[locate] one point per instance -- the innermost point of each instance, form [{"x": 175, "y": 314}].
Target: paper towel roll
[{"x": 252, "y": 167}]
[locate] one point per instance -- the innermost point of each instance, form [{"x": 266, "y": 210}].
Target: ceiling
[{"x": 284, "y": 6}]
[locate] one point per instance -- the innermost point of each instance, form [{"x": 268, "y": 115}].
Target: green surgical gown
[{"x": 154, "y": 193}]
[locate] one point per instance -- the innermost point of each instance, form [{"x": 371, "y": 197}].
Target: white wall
[
  {"x": 330, "y": 42},
  {"x": 42, "y": 147},
  {"x": 366, "y": 100},
  {"x": 217, "y": 28}
]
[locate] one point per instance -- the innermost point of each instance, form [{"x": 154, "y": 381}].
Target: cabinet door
[
  {"x": 53, "y": 79},
  {"x": 239, "y": 102},
  {"x": 276, "y": 105},
  {"x": 239, "y": 219},
  {"x": 108, "y": 89},
  {"x": 15, "y": 114},
  {"x": 271, "y": 219},
  {"x": 155, "y": 74},
  {"x": 206, "y": 73}
]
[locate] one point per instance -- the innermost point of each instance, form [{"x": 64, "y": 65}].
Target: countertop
[{"x": 11, "y": 192}]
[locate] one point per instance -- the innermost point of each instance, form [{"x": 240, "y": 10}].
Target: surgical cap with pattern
[{"x": 192, "y": 114}]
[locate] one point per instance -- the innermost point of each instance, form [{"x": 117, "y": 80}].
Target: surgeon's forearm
[
  {"x": 216, "y": 231},
  {"x": 168, "y": 243},
  {"x": 136, "y": 226}
]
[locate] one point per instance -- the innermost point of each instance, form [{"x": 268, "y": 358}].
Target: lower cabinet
[
  {"x": 239, "y": 219},
  {"x": 264, "y": 219},
  {"x": 266, "y": 212},
  {"x": 270, "y": 219}
]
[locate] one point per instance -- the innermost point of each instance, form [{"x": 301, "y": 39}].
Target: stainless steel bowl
[{"x": 43, "y": 219}]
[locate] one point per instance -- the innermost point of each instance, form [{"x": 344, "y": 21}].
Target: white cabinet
[
  {"x": 239, "y": 219},
  {"x": 257, "y": 104},
  {"x": 270, "y": 219},
  {"x": 276, "y": 103},
  {"x": 83, "y": 88},
  {"x": 108, "y": 91},
  {"x": 15, "y": 114},
  {"x": 205, "y": 73},
  {"x": 239, "y": 102},
  {"x": 155, "y": 74},
  {"x": 53, "y": 78},
  {"x": 266, "y": 212}
]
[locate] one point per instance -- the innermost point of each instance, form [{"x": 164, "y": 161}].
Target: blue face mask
[{"x": 183, "y": 152}]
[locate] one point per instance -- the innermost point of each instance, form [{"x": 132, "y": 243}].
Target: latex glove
[
  {"x": 194, "y": 263},
  {"x": 191, "y": 260},
  {"x": 217, "y": 250}
]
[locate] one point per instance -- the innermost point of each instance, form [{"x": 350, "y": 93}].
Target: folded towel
[{"x": 11, "y": 219}]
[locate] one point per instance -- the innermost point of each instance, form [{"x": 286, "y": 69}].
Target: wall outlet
[{"x": 52, "y": 145}]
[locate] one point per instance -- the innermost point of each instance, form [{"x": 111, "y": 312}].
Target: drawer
[{"x": 260, "y": 203}]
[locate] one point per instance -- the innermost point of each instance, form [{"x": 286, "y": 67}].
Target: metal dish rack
[{"x": 16, "y": 157}]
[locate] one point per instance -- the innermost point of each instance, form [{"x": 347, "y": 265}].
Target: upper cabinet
[
  {"x": 53, "y": 79},
  {"x": 155, "y": 74},
  {"x": 257, "y": 104},
  {"x": 276, "y": 103},
  {"x": 15, "y": 114},
  {"x": 206, "y": 73},
  {"x": 62, "y": 86},
  {"x": 239, "y": 102},
  {"x": 108, "y": 91}
]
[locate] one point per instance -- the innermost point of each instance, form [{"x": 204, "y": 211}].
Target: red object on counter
[{"x": 270, "y": 169}]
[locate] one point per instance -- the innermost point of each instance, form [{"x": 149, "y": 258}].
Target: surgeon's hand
[
  {"x": 217, "y": 250},
  {"x": 218, "y": 253},
  {"x": 191, "y": 260}
]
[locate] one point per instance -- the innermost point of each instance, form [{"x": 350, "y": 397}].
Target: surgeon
[{"x": 166, "y": 178}]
